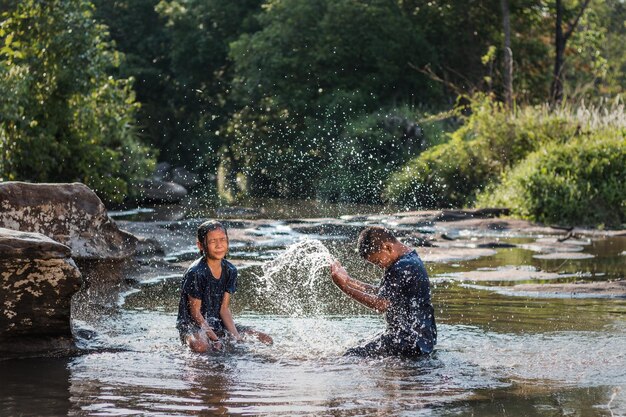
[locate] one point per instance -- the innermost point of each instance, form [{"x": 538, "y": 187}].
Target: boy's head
[
  {"x": 377, "y": 245},
  {"x": 212, "y": 238}
]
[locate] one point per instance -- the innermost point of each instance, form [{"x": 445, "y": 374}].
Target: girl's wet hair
[
  {"x": 205, "y": 228},
  {"x": 371, "y": 240}
]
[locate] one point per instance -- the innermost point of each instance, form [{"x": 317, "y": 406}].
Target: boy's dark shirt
[
  {"x": 198, "y": 282},
  {"x": 410, "y": 316}
]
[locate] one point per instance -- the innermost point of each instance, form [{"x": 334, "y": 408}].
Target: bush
[
  {"x": 491, "y": 141},
  {"x": 581, "y": 182},
  {"x": 447, "y": 175}
]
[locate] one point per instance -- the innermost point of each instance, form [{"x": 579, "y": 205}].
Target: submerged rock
[
  {"x": 505, "y": 273},
  {"x": 597, "y": 289},
  {"x": 71, "y": 214},
  {"x": 565, "y": 255},
  {"x": 450, "y": 254},
  {"x": 38, "y": 278},
  {"x": 579, "y": 289}
]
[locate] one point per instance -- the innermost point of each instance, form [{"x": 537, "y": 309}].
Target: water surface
[{"x": 497, "y": 354}]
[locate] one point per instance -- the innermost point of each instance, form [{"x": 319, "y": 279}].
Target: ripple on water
[{"x": 136, "y": 365}]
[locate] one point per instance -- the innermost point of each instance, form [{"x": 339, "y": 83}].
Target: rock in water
[
  {"x": 71, "y": 214},
  {"x": 37, "y": 281}
]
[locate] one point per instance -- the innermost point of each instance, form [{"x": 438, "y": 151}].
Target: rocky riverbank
[{"x": 441, "y": 237}]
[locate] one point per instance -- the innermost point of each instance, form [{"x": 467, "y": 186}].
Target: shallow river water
[{"x": 498, "y": 353}]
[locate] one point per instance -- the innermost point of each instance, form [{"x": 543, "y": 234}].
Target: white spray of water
[
  {"x": 294, "y": 279},
  {"x": 306, "y": 256},
  {"x": 297, "y": 284}
]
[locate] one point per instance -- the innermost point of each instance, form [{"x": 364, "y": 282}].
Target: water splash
[{"x": 294, "y": 280}]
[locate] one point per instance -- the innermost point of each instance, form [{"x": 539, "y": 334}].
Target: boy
[
  {"x": 403, "y": 295},
  {"x": 203, "y": 312}
]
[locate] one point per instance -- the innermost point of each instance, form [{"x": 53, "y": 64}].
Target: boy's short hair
[
  {"x": 206, "y": 227},
  {"x": 371, "y": 240}
]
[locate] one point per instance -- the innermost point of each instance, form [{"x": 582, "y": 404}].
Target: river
[{"x": 499, "y": 352}]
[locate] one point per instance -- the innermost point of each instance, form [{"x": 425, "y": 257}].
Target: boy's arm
[
  {"x": 361, "y": 292},
  {"x": 227, "y": 317},
  {"x": 361, "y": 286},
  {"x": 194, "y": 310}
]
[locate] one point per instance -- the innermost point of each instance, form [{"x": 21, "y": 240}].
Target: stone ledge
[
  {"x": 24, "y": 245},
  {"x": 71, "y": 214}
]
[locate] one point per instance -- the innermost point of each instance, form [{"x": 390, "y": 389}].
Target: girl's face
[{"x": 216, "y": 244}]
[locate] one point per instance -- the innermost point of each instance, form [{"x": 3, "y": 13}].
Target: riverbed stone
[
  {"x": 552, "y": 246},
  {"x": 564, "y": 255},
  {"x": 452, "y": 254},
  {"x": 71, "y": 214},
  {"x": 578, "y": 289},
  {"x": 597, "y": 289},
  {"x": 506, "y": 273},
  {"x": 37, "y": 281},
  {"x": 182, "y": 176}
]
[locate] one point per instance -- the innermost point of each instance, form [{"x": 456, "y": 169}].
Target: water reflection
[{"x": 36, "y": 386}]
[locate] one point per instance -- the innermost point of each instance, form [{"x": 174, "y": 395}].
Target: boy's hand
[
  {"x": 217, "y": 345},
  {"x": 338, "y": 273}
]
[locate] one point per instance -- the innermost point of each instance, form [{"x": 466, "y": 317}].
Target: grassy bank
[{"x": 563, "y": 166}]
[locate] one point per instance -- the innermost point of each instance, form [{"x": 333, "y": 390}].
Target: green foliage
[
  {"x": 201, "y": 73},
  {"x": 450, "y": 174},
  {"x": 63, "y": 117},
  {"x": 310, "y": 68},
  {"x": 373, "y": 146},
  {"x": 286, "y": 95},
  {"x": 554, "y": 165},
  {"x": 309, "y": 49},
  {"x": 605, "y": 55},
  {"x": 581, "y": 182},
  {"x": 177, "y": 51},
  {"x": 266, "y": 149}
]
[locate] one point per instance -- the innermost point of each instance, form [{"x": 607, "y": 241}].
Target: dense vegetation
[
  {"x": 370, "y": 101},
  {"x": 63, "y": 117}
]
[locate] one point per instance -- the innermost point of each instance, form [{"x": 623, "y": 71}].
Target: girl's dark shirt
[
  {"x": 410, "y": 316},
  {"x": 198, "y": 282}
]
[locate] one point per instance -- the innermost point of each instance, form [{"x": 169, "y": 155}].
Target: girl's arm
[
  {"x": 194, "y": 309},
  {"x": 227, "y": 317}
]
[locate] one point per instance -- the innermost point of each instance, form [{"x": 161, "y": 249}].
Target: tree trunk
[
  {"x": 560, "y": 40},
  {"x": 556, "y": 92},
  {"x": 508, "y": 55}
]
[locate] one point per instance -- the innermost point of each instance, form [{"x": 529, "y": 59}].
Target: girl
[{"x": 204, "y": 314}]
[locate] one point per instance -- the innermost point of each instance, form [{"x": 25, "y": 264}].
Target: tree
[
  {"x": 560, "y": 41},
  {"x": 140, "y": 34},
  {"x": 508, "y": 54},
  {"x": 177, "y": 50},
  {"x": 312, "y": 66},
  {"x": 63, "y": 117}
]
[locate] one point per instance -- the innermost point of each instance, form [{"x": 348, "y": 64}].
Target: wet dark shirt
[
  {"x": 198, "y": 282},
  {"x": 410, "y": 316}
]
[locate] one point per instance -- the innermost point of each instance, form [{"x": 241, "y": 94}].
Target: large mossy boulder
[
  {"x": 71, "y": 214},
  {"x": 37, "y": 281}
]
